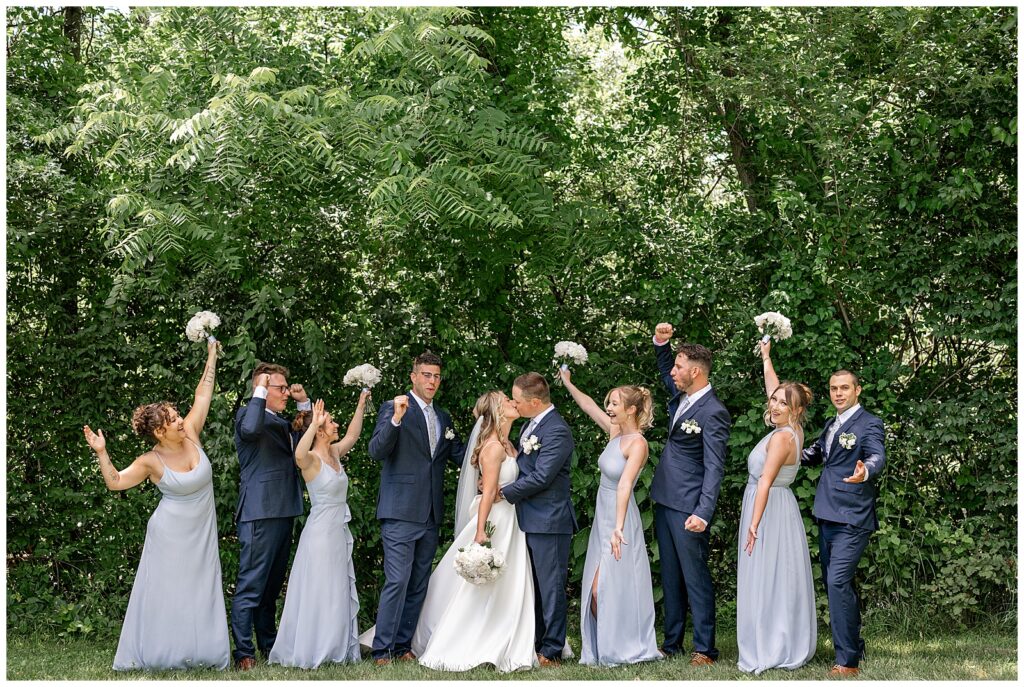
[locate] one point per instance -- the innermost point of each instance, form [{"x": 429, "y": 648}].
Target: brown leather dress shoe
[
  {"x": 246, "y": 664},
  {"x": 383, "y": 661},
  {"x": 546, "y": 662},
  {"x": 843, "y": 671},
  {"x": 699, "y": 659},
  {"x": 407, "y": 656}
]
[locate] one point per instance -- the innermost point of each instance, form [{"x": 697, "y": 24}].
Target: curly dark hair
[
  {"x": 427, "y": 357},
  {"x": 150, "y": 417}
]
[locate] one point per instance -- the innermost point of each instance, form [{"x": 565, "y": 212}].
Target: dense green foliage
[{"x": 346, "y": 186}]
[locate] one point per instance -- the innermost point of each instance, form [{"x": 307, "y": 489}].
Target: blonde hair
[
  {"x": 798, "y": 397},
  {"x": 640, "y": 398},
  {"x": 488, "y": 407}
]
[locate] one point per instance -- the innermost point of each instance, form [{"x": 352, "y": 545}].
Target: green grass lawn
[{"x": 979, "y": 654}]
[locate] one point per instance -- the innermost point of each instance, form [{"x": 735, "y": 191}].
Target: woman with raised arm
[
  {"x": 776, "y": 626},
  {"x": 175, "y": 616},
  {"x": 319, "y": 621},
  {"x": 618, "y": 598}
]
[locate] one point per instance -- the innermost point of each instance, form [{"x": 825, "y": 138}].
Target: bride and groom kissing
[{"x": 444, "y": 622}]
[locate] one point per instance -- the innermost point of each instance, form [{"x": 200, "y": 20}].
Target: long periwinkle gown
[
  {"x": 175, "y": 616},
  {"x": 776, "y": 626},
  {"x": 319, "y": 621},
  {"x": 624, "y": 629}
]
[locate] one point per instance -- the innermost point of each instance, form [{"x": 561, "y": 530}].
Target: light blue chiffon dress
[
  {"x": 319, "y": 624},
  {"x": 175, "y": 616},
  {"x": 776, "y": 625},
  {"x": 623, "y": 631}
]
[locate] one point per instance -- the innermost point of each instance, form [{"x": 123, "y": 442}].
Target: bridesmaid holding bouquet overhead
[
  {"x": 175, "y": 616},
  {"x": 776, "y": 625}
]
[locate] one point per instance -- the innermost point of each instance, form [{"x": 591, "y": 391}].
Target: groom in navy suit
[
  {"x": 544, "y": 508},
  {"x": 413, "y": 440},
  {"x": 269, "y": 498},
  {"x": 685, "y": 489},
  {"x": 852, "y": 449}
]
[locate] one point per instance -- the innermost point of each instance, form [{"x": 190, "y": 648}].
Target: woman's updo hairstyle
[
  {"x": 150, "y": 417},
  {"x": 640, "y": 398},
  {"x": 798, "y": 397}
]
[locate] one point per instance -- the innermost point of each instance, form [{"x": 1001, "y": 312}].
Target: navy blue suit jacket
[
  {"x": 541, "y": 494},
  {"x": 270, "y": 484},
  {"x": 839, "y": 501},
  {"x": 412, "y": 480},
  {"x": 689, "y": 473}
]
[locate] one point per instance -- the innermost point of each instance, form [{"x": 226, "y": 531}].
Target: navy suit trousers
[
  {"x": 841, "y": 546},
  {"x": 549, "y": 553},
  {"x": 263, "y": 561},
  {"x": 409, "y": 549},
  {"x": 686, "y": 581}
]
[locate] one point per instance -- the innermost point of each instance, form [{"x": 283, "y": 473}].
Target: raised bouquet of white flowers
[
  {"x": 365, "y": 376},
  {"x": 568, "y": 350},
  {"x": 201, "y": 326},
  {"x": 773, "y": 325},
  {"x": 479, "y": 563}
]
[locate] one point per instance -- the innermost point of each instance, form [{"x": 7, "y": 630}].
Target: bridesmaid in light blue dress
[
  {"x": 776, "y": 625},
  {"x": 617, "y": 621},
  {"x": 175, "y": 616},
  {"x": 319, "y": 622}
]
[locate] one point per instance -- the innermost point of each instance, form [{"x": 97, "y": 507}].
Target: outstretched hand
[
  {"x": 860, "y": 473},
  {"x": 318, "y": 414},
  {"x": 97, "y": 442}
]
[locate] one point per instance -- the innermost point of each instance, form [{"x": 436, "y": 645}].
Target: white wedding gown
[{"x": 463, "y": 625}]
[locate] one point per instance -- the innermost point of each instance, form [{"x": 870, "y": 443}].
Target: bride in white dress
[{"x": 463, "y": 625}]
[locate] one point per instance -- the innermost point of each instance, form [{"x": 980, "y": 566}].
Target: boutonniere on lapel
[
  {"x": 690, "y": 426},
  {"x": 847, "y": 440},
  {"x": 531, "y": 444},
  {"x": 449, "y": 433}
]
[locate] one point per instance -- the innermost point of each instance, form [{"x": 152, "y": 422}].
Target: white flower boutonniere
[
  {"x": 531, "y": 444},
  {"x": 449, "y": 433},
  {"x": 847, "y": 440},
  {"x": 690, "y": 426}
]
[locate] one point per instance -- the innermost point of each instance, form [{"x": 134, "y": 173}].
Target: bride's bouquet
[
  {"x": 773, "y": 325},
  {"x": 569, "y": 350},
  {"x": 479, "y": 563},
  {"x": 364, "y": 376}
]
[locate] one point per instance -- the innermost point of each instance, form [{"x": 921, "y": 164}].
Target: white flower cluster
[
  {"x": 479, "y": 564},
  {"x": 365, "y": 376},
  {"x": 569, "y": 349},
  {"x": 847, "y": 440},
  {"x": 201, "y": 326},
  {"x": 690, "y": 426},
  {"x": 774, "y": 324}
]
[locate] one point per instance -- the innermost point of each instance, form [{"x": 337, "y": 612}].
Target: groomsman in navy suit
[
  {"x": 543, "y": 502},
  {"x": 685, "y": 490},
  {"x": 852, "y": 448},
  {"x": 269, "y": 498},
  {"x": 413, "y": 440}
]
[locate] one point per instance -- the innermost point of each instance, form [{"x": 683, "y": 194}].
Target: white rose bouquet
[
  {"x": 773, "y": 325},
  {"x": 569, "y": 350},
  {"x": 365, "y": 376},
  {"x": 201, "y": 326},
  {"x": 479, "y": 563}
]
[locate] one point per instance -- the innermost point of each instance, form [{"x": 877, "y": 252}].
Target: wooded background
[{"x": 344, "y": 185}]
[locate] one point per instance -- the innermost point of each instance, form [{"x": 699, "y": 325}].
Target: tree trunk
[{"x": 73, "y": 30}]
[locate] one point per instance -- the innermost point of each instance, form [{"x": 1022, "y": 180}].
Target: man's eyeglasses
[
  {"x": 283, "y": 388},
  {"x": 429, "y": 376}
]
